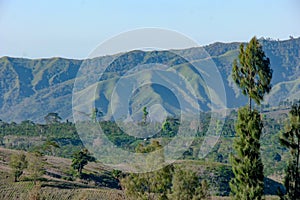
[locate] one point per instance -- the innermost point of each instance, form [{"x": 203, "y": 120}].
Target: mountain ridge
[{"x": 31, "y": 88}]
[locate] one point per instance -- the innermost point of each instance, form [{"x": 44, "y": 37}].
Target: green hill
[{"x": 31, "y": 88}]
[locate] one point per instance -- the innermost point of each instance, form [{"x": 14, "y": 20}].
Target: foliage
[
  {"x": 164, "y": 183},
  {"x": 145, "y": 115},
  {"x": 247, "y": 164},
  {"x": 36, "y": 166},
  {"x": 28, "y": 136},
  {"x": 186, "y": 186},
  {"x": 49, "y": 146},
  {"x": 53, "y": 78},
  {"x": 152, "y": 184},
  {"x": 252, "y": 73},
  {"x": 170, "y": 127},
  {"x": 149, "y": 185},
  {"x": 96, "y": 114},
  {"x": 52, "y": 118},
  {"x": 18, "y": 163},
  {"x": 80, "y": 159},
  {"x": 291, "y": 140}
]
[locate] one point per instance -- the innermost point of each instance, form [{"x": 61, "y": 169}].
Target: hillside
[
  {"x": 58, "y": 183},
  {"x": 31, "y": 88},
  {"x": 98, "y": 182}
]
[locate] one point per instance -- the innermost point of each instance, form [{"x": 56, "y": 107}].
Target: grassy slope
[
  {"x": 97, "y": 183},
  {"x": 56, "y": 184}
]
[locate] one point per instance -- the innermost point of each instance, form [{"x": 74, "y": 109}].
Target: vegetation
[
  {"x": 59, "y": 181},
  {"x": 145, "y": 115},
  {"x": 32, "y": 88},
  {"x": 291, "y": 140},
  {"x": 186, "y": 186},
  {"x": 253, "y": 75},
  {"x": 36, "y": 166},
  {"x": 80, "y": 159},
  {"x": 258, "y": 160},
  {"x": 165, "y": 183},
  {"x": 18, "y": 163},
  {"x": 62, "y": 139},
  {"x": 151, "y": 184},
  {"x": 52, "y": 118},
  {"x": 247, "y": 164}
]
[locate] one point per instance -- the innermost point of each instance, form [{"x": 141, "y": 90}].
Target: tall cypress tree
[
  {"x": 291, "y": 140},
  {"x": 253, "y": 75},
  {"x": 246, "y": 164}
]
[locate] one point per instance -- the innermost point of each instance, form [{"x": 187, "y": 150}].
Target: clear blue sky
[{"x": 74, "y": 28}]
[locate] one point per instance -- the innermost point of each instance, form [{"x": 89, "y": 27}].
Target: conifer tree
[
  {"x": 246, "y": 164},
  {"x": 253, "y": 75},
  {"x": 291, "y": 140},
  {"x": 145, "y": 115}
]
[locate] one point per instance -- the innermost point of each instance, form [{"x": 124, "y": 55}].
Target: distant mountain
[{"x": 31, "y": 88}]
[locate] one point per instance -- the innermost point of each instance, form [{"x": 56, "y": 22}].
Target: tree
[
  {"x": 52, "y": 118},
  {"x": 149, "y": 185},
  {"x": 18, "y": 163},
  {"x": 170, "y": 126},
  {"x": 186, "y": 186},
  {"x": 49, "y": 146},
  {"x": 291, "y": 139},
  {"x": 247, "y": 164},
  {"x": 252, "y": 73},
  {"x": 118, "y": 174},
  {"x": 145, "y": 115},
  {"x": 96, "y": 114},
  {"x": 36, "y": 166},
  {"x": 80, "y": 159}
]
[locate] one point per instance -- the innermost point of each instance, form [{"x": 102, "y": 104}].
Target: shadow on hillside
[
  {"x": 272, "y": 186},
  {"x": 64, "y": 185},
  {"x": 91, "y": 180},
  {"x": 102, "y": 180}
]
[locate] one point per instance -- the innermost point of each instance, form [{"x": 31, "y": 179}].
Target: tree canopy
[
  {"x": 80, "y": 159},
  {"x": 252, "y": 72}
]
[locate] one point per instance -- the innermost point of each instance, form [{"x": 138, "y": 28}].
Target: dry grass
[{"x": 52, "y": 188}]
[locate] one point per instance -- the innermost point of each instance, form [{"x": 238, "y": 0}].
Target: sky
[{"x": 73, "y": 29}]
